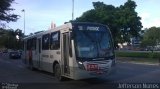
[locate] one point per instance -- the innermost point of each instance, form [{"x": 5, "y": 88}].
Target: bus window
[
  {"x": 92, "y": 42},
  {"x": 28, "y": 44},
  {"x": 34, "y": 43},
  {"x": 45, "y": 42},
  {"x": 55, "y": 41},
  {"x": 31, "y": 44},
  {"x": 70, "y": 44}
]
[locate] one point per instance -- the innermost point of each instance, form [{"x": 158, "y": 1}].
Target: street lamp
[{"x": 24, "y": 20}]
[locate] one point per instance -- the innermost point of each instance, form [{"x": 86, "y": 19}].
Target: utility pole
[
  {"x": 24, "y": 23},
  {"x": 72, "y": 9}
]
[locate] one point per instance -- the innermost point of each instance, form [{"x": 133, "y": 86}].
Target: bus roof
[{"x": 66, "y": 25}]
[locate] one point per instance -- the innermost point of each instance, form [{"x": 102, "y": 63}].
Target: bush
[{"x": 138, "y": 54}]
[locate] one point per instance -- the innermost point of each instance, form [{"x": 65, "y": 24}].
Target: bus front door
[{"x": 65, "y": 54}]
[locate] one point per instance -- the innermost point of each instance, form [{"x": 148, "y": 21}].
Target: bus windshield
[{"x": 93, "y": 42}]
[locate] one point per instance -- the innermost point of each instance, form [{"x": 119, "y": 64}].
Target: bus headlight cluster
[{"x": 81, "y": 65}]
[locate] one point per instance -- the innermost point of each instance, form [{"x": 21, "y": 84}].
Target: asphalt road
[{"x": 13, "y": 73}]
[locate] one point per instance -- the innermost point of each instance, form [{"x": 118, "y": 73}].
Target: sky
[{"x": 39, "y": 14}]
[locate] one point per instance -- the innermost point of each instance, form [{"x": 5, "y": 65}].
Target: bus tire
[
  {"x": 57, "y": 72},
  {"x": 31, "y": 67}
]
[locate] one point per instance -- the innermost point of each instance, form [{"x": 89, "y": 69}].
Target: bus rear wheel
[
  {"x": 31, "y": 67},
  {"x": 57, "y": 72}
]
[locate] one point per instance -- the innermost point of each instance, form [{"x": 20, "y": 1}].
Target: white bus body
[{"x": 74, "y": 50}]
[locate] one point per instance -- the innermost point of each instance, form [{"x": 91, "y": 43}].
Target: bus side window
[
  {"x": 45, "y": 42},
  {"x": 34, "y": 44},
  {"x": 28, "y": 44},
  {"x": 70, "y": 44},
  {"x": 55, "y": 41}
]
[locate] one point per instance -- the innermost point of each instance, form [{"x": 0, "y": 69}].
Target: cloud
[
  {"x": 149, "y": 20},
  {"x": 154, "y": 22},
  {"x": 145, "y": 15}
]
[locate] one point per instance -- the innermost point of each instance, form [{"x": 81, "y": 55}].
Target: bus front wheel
[{"x": 57, "y": 72}]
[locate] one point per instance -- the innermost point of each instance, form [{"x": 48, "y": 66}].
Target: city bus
[{"x": 75, "y": 50}]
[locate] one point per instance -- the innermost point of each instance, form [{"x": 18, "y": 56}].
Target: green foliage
[
  {"x": 5, "y": 11},
  {"x": 128, "y": 20},
  {"x": 9, "y": 40},
  {"x": 138, "y": 54},
  {"x": 123, "y": 21},
  {"x": 132, "y": 54},
  {"x": 151, "y": 37}
]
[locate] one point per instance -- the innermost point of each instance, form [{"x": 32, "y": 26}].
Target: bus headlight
[{"x": 80, "y": 65}]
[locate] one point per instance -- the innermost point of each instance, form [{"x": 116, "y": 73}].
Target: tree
[
  {"x": 151, "y": 37},
  {"x": 5, "y": 12},
  {"x": 128, "y": 21},
  {"x": 123, "y": 21},
  {"x": 9, "y": 40}
]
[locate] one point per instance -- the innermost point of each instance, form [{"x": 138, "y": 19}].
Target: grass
[
  {"x": 138, "y": 54},
  {"x": 139, "y": 60},
  {"x": 149, "y": 57}
]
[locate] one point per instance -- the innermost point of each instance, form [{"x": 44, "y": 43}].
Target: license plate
[{"x": 92, "y": 67}]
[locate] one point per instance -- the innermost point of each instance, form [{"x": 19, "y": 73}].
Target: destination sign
[{"x": 90, "y": 28}]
